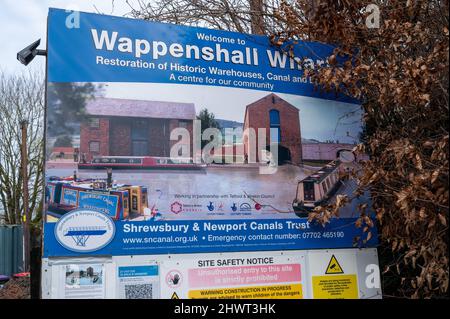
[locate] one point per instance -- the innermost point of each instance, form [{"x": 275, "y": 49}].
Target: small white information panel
[
  {"x": 138, "y": 282},
  {"x": 84, "y": 281}
]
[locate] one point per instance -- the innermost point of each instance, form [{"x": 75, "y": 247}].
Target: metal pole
[{"x": 26, "y": 214}]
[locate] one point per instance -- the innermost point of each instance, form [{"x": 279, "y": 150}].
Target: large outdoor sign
[
  {"x": 112, "y": 49},
  {"x": 164, "y": 139}
]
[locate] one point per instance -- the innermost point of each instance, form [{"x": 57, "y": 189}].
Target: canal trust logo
[{"x": 84, "y": 230}]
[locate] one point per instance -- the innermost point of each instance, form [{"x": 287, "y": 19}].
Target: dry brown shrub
[{"x": 400, "y": 73}]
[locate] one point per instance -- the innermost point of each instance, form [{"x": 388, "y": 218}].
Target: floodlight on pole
[{"x": 26, "y": 55}]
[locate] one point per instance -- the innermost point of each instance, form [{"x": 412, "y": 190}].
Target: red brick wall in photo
[{"x": 257, "y": 116}]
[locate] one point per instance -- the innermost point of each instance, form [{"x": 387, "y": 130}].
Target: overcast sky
[{"x": 24, "y": 21}]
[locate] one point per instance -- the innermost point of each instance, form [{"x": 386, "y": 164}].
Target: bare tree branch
[{"x": 21, "y": 98}]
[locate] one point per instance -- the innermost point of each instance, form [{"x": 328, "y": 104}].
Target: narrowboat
[
  {"x": 120, "y": 202},
  {"x": 139, "y": 162},
  {"x": 317, "y": 189}
]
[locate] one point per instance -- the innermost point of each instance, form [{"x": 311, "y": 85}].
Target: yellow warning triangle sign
[
  {"x": 175, "y": 296},
  {"x": 334, "y": 267}
]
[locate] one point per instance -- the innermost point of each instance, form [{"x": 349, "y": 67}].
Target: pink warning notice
[{"x": 243, "y": 275}]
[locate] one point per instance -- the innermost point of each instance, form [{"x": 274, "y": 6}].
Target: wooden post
[{"x": 26, "y": 214}]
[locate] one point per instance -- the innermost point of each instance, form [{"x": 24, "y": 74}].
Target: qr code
[{"x": 144, "y": 291}]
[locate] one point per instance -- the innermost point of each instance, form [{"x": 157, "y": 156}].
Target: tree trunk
[{"x": 256, "y": 8}]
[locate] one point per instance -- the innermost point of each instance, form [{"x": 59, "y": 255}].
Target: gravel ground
[{"x": 16, "y": 288}]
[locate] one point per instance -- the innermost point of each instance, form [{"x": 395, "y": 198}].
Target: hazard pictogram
[
  {"x": 334, "y": 267},
  {"x": 175, "y": 296}
]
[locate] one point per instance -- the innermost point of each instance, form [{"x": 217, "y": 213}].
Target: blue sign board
[
  {"x": 147, "y": 238},
  {"x": 105, "y": 203},
  {"x": 112, "y": 49},
  {"x": 70, "y": 196},
  {"x": 138, "y": 271},
  {"x": 180, "y": 213}
]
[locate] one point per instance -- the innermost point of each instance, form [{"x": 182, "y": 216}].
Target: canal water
[{"x": 219, "y": 192}]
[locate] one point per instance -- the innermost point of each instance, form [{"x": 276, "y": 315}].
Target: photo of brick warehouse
[
  {"x": 128, "y": 127},
  {"x": 125, "y": 127},
  {"x": 120, "y": 136},
  {"x": 272, "y": 112}
]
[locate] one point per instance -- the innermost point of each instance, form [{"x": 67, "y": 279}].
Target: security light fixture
[{"x": 27, "y": 55}]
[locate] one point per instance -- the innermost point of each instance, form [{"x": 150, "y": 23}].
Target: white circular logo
[{"x": 84, "y": 230}]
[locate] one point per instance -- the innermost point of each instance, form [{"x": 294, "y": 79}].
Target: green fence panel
[{"x": 11, "y": 249}]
